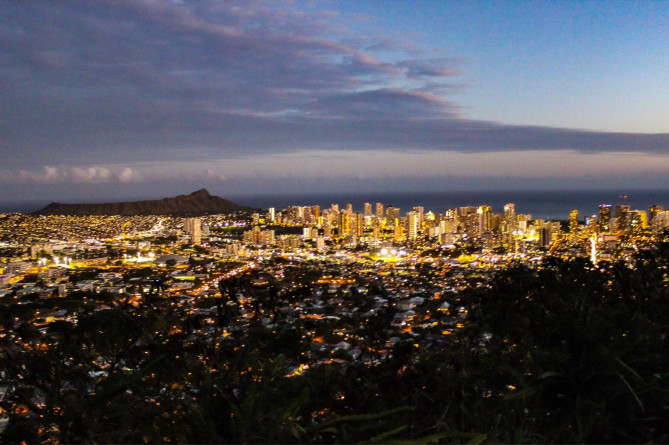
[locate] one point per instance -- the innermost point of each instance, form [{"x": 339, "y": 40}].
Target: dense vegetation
[{"x": 564, "y": 352}]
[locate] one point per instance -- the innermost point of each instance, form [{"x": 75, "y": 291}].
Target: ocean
[{"x": 551, "y": 205}]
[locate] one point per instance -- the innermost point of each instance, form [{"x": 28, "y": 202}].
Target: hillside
[{"x": 197, "y": 203}]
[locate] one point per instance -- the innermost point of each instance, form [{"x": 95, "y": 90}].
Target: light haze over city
[{"x": 130, "y": 100}]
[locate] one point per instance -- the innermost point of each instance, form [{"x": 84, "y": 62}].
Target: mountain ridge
[{"x": 198, "y": 203}]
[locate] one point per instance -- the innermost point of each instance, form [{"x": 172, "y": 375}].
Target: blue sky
[{"x": 119, "y": 100}]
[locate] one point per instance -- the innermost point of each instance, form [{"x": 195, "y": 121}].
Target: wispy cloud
[
  {"x": 106, "y": 82},
  {"x": 51, "y": 174}
]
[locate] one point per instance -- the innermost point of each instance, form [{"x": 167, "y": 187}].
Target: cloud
[
  {"x": 124, "y": 82},
  {"x": 68, "y": 174},
  {"x": 127, "y": 175}
]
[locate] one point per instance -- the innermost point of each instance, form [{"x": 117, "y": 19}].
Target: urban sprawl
[
  {"x": 357, "y": 282},
  {"x": 398, "y": 261}
]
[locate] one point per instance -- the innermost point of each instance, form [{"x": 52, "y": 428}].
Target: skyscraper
[
  {"x": 367, "y": 209},
  {"x": 379, "y": 210},
  {"x": 468, "y": 220},
  {"x": 622, "y": 216},
  {"x": 485, "y": 219},
  {"x": 573, "y": 221},
  {"x": 604, "y": 218},
  {"x": 421, "y": 214},
  {"x": 359, "y": 220},
  {"x": 194, "y": 227},
  {"x": 344, "y": 224},
  {"x": 392, "y": 213},
  {"x": 413, "y": 225},
  {"x": 655, "y": 210},
  {"x": 510, "y": 216}
]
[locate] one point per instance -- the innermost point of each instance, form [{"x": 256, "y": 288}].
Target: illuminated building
[
  {"x": 344, "y": 224},
  {"x": 421, "y": 214},
  {"x": 367, "y": 209},
  {"x": 468, "y": 220},
  {"x": 257, "y": 237},
  {"x": 399, "y": 233},
  {"x": 573, "y": 221},
  {"x": 194, "y": 227},
  {"x": 379, "y": 210},
  {"x": 485, "y": 219},
  {"x": 510, "y": 216},
  {"x": 349, "y": 208},
  {"x": 604, "y": 218},
  {"x": 392, "y": 213},
  {"x": 638, "y": 220},
  {"x": 413, "y": 223},
  {"x": 545, "y": 232},
  {"x": 521, "y": 222},
  {"x": 655, "y": 211},
  {"x": 359, "y": 224},
  {"x": 622, "y": 216},
  {"x": 271, "y": 214}
]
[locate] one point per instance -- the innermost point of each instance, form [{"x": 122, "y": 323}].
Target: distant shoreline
[{"x": 546, "y": 204}]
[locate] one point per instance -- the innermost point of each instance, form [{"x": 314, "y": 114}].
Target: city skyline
[{"x": 112, "y": 100}]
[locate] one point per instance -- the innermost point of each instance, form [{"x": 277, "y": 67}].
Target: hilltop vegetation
[{"x": 558, "y": 353}]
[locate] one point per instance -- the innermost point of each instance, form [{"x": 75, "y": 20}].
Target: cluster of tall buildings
[
  {"x": 380, "y": 222},
  {"x": 621, "y": 219}
]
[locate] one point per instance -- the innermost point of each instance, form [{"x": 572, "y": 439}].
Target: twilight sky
[{"x": 106, "y": 100}]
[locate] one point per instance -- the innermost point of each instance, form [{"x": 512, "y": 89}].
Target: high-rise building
[
  {"x": 392, "y": 213},
  {"x": 421, "y": 214},
  {"x": 379, "y": 210},
  {"x": 604, "y": 218},
  {"x": 271, "y": 214},
  {"x": 413, "y": 224},
  {"x": 654, "y": 212},
  {"x": 334, "y": 207},
  {"x": 349, "y": 208},
  {"x": 485, "y": 219},
  {"x": 399, "y": 233},
  {"x": 622, "y": 217},
  {"x": 344, "y": 224},
  {"x": 367, "y": 209},
  {"x": 510, "y": 216},
  {"x": 194, "y": 227},
  {"x": 468, "y": 220},
  {"x": 545, "y": 235},
  {"x": 359, "y": 224},
  {"x": 638, "y": 220},
  {"x": 573, "y": 221}
]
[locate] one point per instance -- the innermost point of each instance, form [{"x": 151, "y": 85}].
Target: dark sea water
[{"x": 552, "y": 204}]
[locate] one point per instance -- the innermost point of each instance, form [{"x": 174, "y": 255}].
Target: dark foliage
[{"x": 559, "y": 353}]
